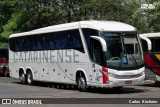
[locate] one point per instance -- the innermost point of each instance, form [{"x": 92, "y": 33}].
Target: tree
[
  {"x": 154, "y": 16},
  {"x": 25, "y": 15},
  {"x": 6, "y": 10}
]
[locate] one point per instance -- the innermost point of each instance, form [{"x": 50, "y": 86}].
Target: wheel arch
[
  {"x": 21, "y": 70},
  {"x": 81, "y": 71}
]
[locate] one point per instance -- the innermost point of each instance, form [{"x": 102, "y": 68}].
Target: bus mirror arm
[{"x": 102, "y": 41}]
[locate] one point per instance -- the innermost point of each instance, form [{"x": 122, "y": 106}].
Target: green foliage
[
  {"x": 25, "y": 15},
  {"x": 107, "y": 10},
  {"x": 154, "y": 16},
  {"x": 6, "y": 10},
  {"x": 12, "y": 25}
]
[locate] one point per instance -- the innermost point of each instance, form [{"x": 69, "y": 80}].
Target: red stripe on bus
[{"x": 105, "y": 77}]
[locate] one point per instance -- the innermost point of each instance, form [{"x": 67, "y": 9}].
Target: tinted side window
[
  {"x": 75, "y": 40},
  {"x": 12, "y": 44},
  {"x": 37, "y": 42},
  {"x": 144, "y": 46},
  {"x": 19, "y": 44},
  {"x": 96, "y": 53},
  {"x": 63, "y": 40},
  {"x": 27, "y": 44},
  {"x": 155, "y": 44},
  {"x": 49, "y": 41},
  {"x": 46, "y": 42},
  {"x": 87, "y": 33}
]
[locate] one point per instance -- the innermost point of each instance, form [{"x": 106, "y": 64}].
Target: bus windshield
[{"x": 123, "y": 50}]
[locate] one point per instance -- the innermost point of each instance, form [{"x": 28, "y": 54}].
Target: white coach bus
[{"x": 85, "y": 53}]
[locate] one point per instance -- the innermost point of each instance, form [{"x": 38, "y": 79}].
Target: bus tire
[
  {"x": 22, "y": 77},
  {"x": 29, "y": 78},
  {"x": 81, "y": 83}
]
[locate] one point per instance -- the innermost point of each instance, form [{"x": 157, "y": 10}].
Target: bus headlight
[
  {"x": 112, "y": 75},
  {"x": 104, "y": 71}
]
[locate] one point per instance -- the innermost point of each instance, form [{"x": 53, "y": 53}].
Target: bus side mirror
[
  {"x": 149, "y": 44},
  {"x": 102, "y": 41}
]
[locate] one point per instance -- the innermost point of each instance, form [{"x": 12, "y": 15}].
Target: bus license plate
[{"x": 128, "y": 82}]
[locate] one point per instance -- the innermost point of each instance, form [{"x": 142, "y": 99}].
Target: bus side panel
[
  {"x": 66, "y": 73},
  {"x": 13, "y": 70},
  {"x": 13, "y": 66},
  {"x": 54, "y": 72},
  {"x": 152, "y": 62},
  {"x": 43, "y": 71}
]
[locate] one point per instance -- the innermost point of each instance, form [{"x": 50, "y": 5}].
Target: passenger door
[{"x": 97, "y": 57}]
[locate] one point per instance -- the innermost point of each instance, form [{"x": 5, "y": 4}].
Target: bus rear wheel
[
  {"x": 82, "y": 84},
  {"x": 22, "y": 78},
  {"x": 29, "y": 78}
]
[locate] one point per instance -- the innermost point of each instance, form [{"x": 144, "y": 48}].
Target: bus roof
[
  {"x": 150, "y": 34},
  {"x": 111, "y": 26}
]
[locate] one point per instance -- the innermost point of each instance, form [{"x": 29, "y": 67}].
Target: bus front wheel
[{"x": 82, "y": 84}]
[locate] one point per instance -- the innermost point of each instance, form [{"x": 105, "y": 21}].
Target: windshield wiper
[{"x": 133, "y": 58}]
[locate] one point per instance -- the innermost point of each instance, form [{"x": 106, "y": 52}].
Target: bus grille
[{"x": 127, "y": 76}]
